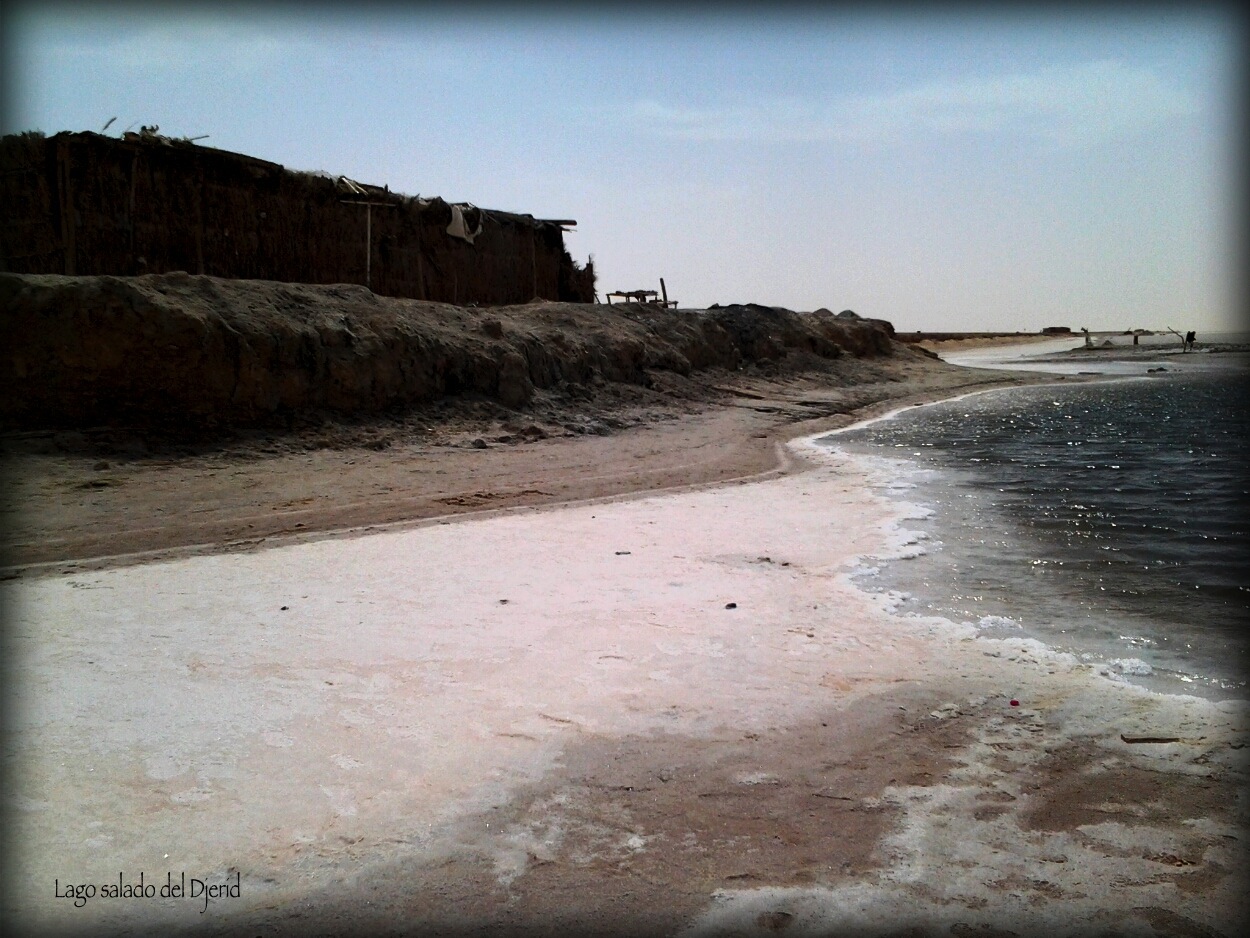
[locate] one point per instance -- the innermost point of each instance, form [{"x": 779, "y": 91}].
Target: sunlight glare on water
[{"x": 1108, "y": 519}]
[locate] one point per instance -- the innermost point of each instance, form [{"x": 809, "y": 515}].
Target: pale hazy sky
[{"x": 976, "y": 169}]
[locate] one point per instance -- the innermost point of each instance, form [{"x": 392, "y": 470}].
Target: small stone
[
  {"x": 479, "y": 443},
  {"x": 731, "y": 605},
  {"x": 102, "y": 464}
]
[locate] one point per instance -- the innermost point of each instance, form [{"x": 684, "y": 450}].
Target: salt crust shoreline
[
  {"x": 890, "y": 905},
  {"x": 222, "y": 712}
]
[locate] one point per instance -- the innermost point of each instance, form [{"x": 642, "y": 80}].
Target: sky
[{"x": 947, "y": 168}]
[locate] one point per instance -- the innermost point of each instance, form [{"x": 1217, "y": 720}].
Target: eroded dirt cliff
[{"x": 203, "y": 352}]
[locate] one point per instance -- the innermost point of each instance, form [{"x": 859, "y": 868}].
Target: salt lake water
[{"x": 1106, "y": 518}]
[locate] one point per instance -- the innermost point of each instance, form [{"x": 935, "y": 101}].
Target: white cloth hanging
[{"x": 457, "y": 227}]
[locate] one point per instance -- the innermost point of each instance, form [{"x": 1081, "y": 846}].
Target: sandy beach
[
  {"x": 512, "y": 688},
  {"x": 87, "y": 500}
]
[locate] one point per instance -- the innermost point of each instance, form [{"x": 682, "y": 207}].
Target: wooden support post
[
  {"x": 130, "y": 218},
  {"x": 199, "y": 224},
  {"x": 664, "y": 292},
  {"x": 368, "y": 233},
  {"x": 420, "y": 240},
  {"x": 534, "y": 260},
  {"x": 65, "y": 193}
]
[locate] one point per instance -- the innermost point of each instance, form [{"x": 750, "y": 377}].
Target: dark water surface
[{"x": 1106, "y": 519}]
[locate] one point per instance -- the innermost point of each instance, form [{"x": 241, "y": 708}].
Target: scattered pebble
[{"x": 731, "y": 605}]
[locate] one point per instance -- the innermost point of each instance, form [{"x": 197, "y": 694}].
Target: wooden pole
[
  {"x": 66, "y": 194},
  {"x": 130, "y": 220},
  {"x": 368, "y": 233},
  {"x": 420, "y": 268},
  {"x": 664, "y": 292},
  {"x": 199, "y": 224}
]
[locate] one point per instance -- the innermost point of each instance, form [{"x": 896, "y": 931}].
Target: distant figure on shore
[{"x": 1190, "y": 339}]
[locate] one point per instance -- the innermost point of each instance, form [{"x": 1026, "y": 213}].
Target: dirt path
[{"x": 123, "y": 503}]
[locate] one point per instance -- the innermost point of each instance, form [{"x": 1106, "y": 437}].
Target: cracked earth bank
[{"x": 671, "y": 715}]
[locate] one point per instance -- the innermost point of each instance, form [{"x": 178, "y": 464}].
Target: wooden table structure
[{"x": 644, "y": 296}]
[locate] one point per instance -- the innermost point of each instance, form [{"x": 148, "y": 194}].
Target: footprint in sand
[
  {"x": 191, "y": 796},
  {"x": 341, "y": 801},
  {"x": 356, "y": 718},
  {"x": 404, "y": 732},
  {"x": 163, "y": 767},
  {"x": 755, "y": 778}
]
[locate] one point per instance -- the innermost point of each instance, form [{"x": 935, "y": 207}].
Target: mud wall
[
  {"x": 187, "y": 352},
  {"x": 86, "y": 204}
]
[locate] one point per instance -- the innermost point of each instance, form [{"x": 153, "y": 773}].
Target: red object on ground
[{"x": 1015, "y": 703}]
